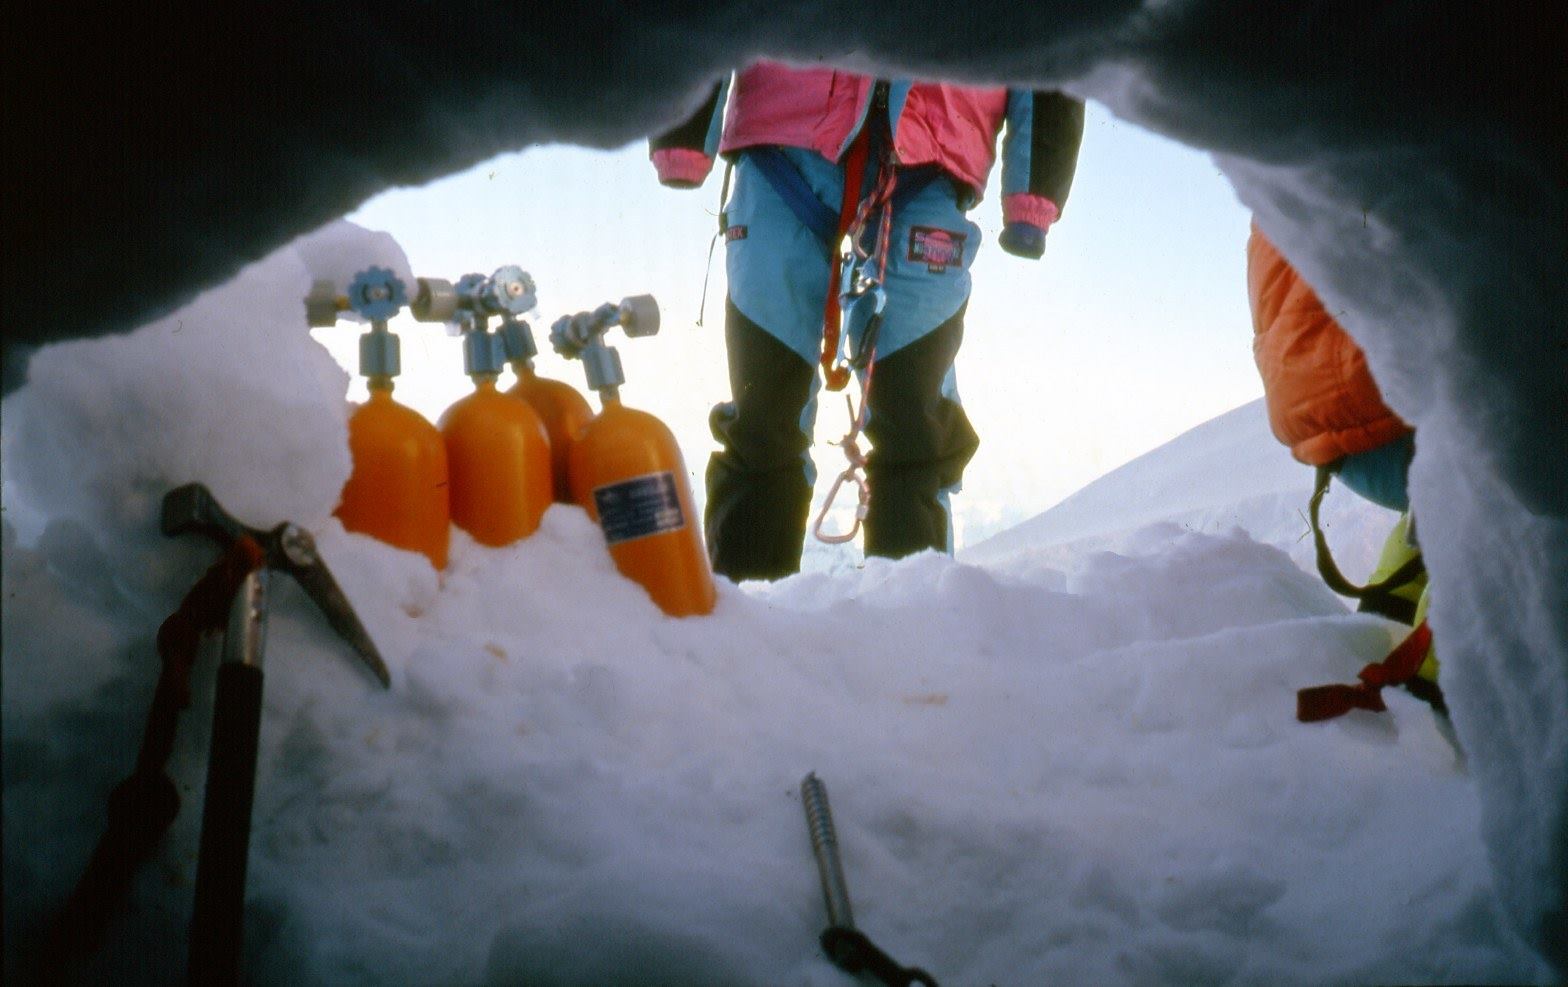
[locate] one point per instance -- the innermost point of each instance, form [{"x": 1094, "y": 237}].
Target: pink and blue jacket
[{"x": 953, "y": 127}]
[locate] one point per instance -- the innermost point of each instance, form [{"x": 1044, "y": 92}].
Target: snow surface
[
  {"x": 1070, "y": 759},
  {"x": 1402, "y": 155}
]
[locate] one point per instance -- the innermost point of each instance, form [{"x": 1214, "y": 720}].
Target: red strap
[
  {"x": 1325, "y": 702},
  {"x": 1403, "y": 662},
  {"x": 143, "y": 806},
  {"x": 837, "y": 377}
]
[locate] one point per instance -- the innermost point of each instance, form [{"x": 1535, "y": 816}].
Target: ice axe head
[{"x": 289, "y": 547}]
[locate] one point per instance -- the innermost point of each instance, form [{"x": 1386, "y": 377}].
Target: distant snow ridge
[{"x": 1227, "y": 473}]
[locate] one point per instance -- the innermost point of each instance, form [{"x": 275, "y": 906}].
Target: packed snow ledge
[{"x": 1067, "y": 757}]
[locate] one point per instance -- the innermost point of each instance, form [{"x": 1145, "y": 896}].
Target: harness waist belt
[{"x": 821, "y": 220}]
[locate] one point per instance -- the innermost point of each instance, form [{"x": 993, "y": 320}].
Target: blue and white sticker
[{"x": 639, "y": 507}]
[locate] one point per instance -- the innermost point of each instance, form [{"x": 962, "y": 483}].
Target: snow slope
[
  {"x": 1208, "y": 479},
  {"x": 1053, "y": 763}
]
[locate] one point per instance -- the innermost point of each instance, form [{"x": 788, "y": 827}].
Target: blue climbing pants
[{"x": 759, "y": 483}]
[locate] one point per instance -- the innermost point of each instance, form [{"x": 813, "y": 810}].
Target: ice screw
[{"x": 849, "y": 948}]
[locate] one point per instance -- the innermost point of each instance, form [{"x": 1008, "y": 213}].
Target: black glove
[{"x": 1023, "y": 240}]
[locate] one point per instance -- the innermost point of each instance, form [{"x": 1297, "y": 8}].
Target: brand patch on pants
[
  {"x": 936, "y": 248},
  {"x": 734, "y": 233}
]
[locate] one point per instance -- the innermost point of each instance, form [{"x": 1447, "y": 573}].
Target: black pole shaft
[{"x": 217, "y": 925}]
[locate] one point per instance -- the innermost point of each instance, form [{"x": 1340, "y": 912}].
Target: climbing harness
[
  {"x": 855, "y": 299},
  {"x": 1378, "y": 597},
  {"x": 1403, "y": 666},
  {"x": 792, "y": 187},
  {"x": 860, "y": 299}
]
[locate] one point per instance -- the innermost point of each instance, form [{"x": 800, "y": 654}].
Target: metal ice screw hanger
[{"x": 582, "y": 336}]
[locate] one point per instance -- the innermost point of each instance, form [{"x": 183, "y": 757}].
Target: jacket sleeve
[
  {"x": 1039, "y": 157},
  {"x": 684, "y": 155}
]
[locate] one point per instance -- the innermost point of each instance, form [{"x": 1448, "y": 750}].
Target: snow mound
[{"x": 1079, "y": 767}]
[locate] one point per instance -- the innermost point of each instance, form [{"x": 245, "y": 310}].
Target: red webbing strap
[
  {"x": 837, "y": 377},
  {"x": 143, "y": 806},
  {"x": 1325, "y": 702}
]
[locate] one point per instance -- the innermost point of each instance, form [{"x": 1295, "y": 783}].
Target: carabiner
[
  {"x": 862, "y": 321},
  {"x": 852, "y": 474},
  {"x": 850, "y": 443}
]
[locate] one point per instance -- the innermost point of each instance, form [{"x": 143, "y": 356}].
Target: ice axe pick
[{"x": 288, "y": 548}]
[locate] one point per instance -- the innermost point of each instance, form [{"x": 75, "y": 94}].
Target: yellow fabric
[
  {"x": 1397, "y": 550},
  {"x": 1428, "y": 668}
]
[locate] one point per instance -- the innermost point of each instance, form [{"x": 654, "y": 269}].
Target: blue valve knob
[
  {"x": 509, "y": 291},
  {"x": 377, "y": 294}
]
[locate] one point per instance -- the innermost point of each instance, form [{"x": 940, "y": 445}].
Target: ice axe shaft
[
  {"x": 144, "y": 805},
  {"x": 218, "y": 914},
  {"x": 849, "y": 948}
]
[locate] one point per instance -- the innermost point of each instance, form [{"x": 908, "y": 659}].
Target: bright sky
[{"x": 1133, "y": 327}]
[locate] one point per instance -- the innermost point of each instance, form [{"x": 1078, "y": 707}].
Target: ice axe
[
  {"x": 141, "y": 808},
  {"x": 217, "y": 921}
]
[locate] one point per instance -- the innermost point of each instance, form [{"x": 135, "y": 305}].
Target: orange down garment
[{"x": 1322, "y": 400}]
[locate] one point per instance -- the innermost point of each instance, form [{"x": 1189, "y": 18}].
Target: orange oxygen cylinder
[
  {"x": 497, "y": 451},
  {"x": 627, "y": 470},
  {"x": 563, "y": 410},
  {"x": 498, "y": 454},
  {"x": 397, "y": 490}
]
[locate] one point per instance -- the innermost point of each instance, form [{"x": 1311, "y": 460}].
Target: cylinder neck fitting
[
  {"x": 380, "y": 353},
  {"x": 377, "y": 294},
  {"x": 482, "y": 352},
  {"x": 517, "y": 341},
  {"x": 602, "y": 364},
  {"x": 582, "y": 336}
]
